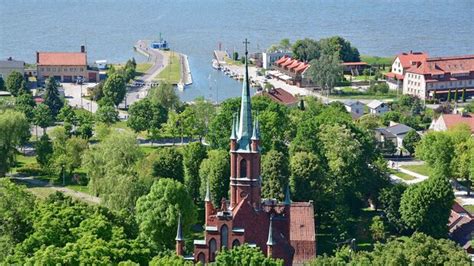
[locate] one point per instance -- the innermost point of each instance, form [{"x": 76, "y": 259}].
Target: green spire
[
  {"x": 208, "y": 192},
  {"x": 270, "y": 240},
  {"x": 245, "y": 124},
  {"x": 234, "y": 134},
  {"x": 256, "y": 130},
  {"x": 179, "y": 232},
  {"x": 287, "y": 196}
]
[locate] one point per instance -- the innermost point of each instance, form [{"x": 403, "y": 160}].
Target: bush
[{"x": 33, "y": 169}]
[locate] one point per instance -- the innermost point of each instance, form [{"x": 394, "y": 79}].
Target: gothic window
[
  {"x": 224, "y": 236},
  {"x": 202, "y": 258},
  {"x": 235, "y": 243},
  {"x": 243, "y": 168},
  {"x": 212, "y": 249}
]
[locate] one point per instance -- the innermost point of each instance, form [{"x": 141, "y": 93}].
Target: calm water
[{"x": 111, "y": 27}]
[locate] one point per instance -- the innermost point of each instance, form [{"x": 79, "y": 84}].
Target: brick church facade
[{"x": 284, "y": 230}]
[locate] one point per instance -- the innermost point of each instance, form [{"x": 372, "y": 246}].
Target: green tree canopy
[
  {"x": 115, "y": 88},
  {"x": 13, "y": 83},
  {"x": 44, "y": 150},
  {"x": 275, "y": 174},
  {"x": 15, "y": 131},
  {"x": 25, "y": 104},
  {"x": 193, "y": 155},
  {"x": 245, "y": 255},
  {"x": 410, "y": 141},
  {"x": 326, "y": 71},
  {"x": 215, "y": 170},
  {"x": 146, "y": 115},
  {"x": 157, "y": 213},
  {"x": 107, "y": 114},
  {"x": 165, "y": 95},
  {"x": 52, "y": 98}
]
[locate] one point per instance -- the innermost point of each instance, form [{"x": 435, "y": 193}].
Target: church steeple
[{"x": 245, "y": 123}]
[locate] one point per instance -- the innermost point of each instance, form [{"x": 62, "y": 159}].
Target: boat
[
  {"x": 216, "y": 64},
  {"x": 181, "y": 86}
]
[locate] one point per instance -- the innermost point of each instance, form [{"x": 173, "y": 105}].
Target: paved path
[{"x": 67, "y": 191}]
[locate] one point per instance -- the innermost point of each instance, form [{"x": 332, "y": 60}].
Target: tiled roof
[
  {"x": 288, "y": 62},
  {"x": 281, "y": 96},
  {"x": 61, "y": 59},
  {"x": 295, "y": 64},
  {"x": 452, "y": 120},
  {"x": 302, "y": 67},
  {"x": 10, "y": 63},
  {"x": 398, "y": 129},
  {"x": 374, "y": 104},
  {"x": 407, "y": 59},
  {"x": 302, "y": 221},
  {"x": 394, "y": 75},
  {"x": 445, "y": 65},
  {"x": 281, "y": 60}
]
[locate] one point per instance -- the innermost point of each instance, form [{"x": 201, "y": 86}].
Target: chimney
[
  {"x": 411, "y": 51},
  {"x": 83, "y": 48}
]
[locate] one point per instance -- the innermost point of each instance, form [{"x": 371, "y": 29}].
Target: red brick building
[{"x": 284, "y": 230}]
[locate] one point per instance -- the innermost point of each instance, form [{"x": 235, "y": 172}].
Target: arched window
[
  {"x": 224, "y": 236},
  {"x": 202, "y": 258},
  {"x": 212, "y": 249},
  {"x": 235, "y": 243},
  {"x": 243, "y": 168}
]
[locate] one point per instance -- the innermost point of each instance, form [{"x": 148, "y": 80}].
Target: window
[
  {"x": 243, "y": 168},
  {"x": 235, "y": 243},
  {"x": 224, "y": 236},
  {"x": 202, "y": 258},
  {"x": 212, "y": 249}
]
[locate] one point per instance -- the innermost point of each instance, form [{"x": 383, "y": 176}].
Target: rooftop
[
  {"x": 452, "y": 120},
  {"x": 453, "y": 65},
  {"x": 374, "y": 104},
  {"x": 398, "y": 129},
  {"x": 279, "y": 95},
  {"x": 10, "y": 63},
  {"x": 61, "y": 58},
  {"x": 408, "y": 59}
]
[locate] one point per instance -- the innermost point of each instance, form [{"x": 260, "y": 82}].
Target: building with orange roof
[
  {"x": 438, "y": 76},
  {"x": 280, "y": 96},
  {"x": 448, "y": 121},
  {"x": 292, "y": 71},
  {"x": 400, "y": 64},
  {"x": 64, "y": 66}
]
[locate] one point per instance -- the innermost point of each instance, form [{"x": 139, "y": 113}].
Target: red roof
[
  {"x": 281, "y": 60},
  {"x": 288, "y": 62},
  {"x": 452, "y": 120},
  {"x": 408, "y": 59},
  {"x": 302, "y": 231},
  {"x": 295, "y": 64},
  {"x": 61, "y": 59},
  {"x": 444, "y": 65},
  {"x": 302, "y": 67},
  {"x": 280, "y": 96},
  {"x": 354, "y": 63},
  {"x": 394, "y": 75}
]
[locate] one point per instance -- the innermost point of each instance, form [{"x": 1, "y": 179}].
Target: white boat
[
  {"x": 216, "y": 64},
  {"x": 181, "y": 86}
]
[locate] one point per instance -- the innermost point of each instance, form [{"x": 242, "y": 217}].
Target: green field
[
  {"x": 403, "y": 176},
  {"x": 351, "y": 93},
  {"x": 377, "y": 60},
  {"x": 469, "y": 208},
  {"x": 172, "y": 72},
  {"x": 142, "y": 68},
  {"x": 422, "y": 169}
]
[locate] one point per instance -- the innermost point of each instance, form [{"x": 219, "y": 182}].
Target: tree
[
  {"x": 25, "y": 104},
  {"x": 166, "y": 162},
  {"x": 42, "y": 116},
  {"x": 67, "y": 115},
  {"x": 436, "y": 149},
  {"x": 215, "y": 170},
  {"x": 463, "y": 96},
  {"x": 449, "y": 96},
  {"x": 220, "y": 126},
  {"x": 115, "y": 88},
  {"x": 425, "y": 207},
  {"x": 169, "y": 260},
  {"x": 157, "y": 213},
  {"x": 13, "y": 83},
  {"x": 2, "y": 84},
  {"x": 146, "y": 115},
  {"x": 326, "y": 71},
  {"x": 204, "y": 112},
  {"x": 193, "y": 155},
  {"x": 342, "y": 47},
  {"x": 456, "y": 95},
  {"x": 235, "y": 56},
  {"x": 165, "y": 95},
  {"x": 369, "y": 121},
  {"x": 377, "y": 228},
  {"x": 44, "y": 150},
  {"x": 275, "y": 175},
  {"x": 15, "y": 131},
  {"x": 389, "y": 199},
  {"x": 418, "y": 249},
  {"x": 410, "y": 141},
  {"x": 306, "y": 176},
  {"x": 306, "y": 50},
  {"x": 51, "y": 97},
  {"x": 107, "y": 114},
  {"x": 245, "y": 255}
]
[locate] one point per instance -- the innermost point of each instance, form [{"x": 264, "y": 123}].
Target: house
[
  {"x": 354, "y": 68},
  {"x": 439, "y": 76},
  {"x": 284, "y": 230},
  {"x": 395, "y": 132},
  {"x": 401, "y": 63},
  {"x": 65, "y": 66},
  {"x": 355, "y": 108},
  {"x": 280, "y": 96},
  {"x": 269, "y": 58},
  {"x": 292, "y": 71},
  {"x": 461, "y": 227},
  {"x": 377, "y": 107},
  {"x": 449, "y": 121},
  {"x": 10, "y": 65}
]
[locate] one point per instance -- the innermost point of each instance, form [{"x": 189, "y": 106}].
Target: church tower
[{"x": 245, "y": 180}]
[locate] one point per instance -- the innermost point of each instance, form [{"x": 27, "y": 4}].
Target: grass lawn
[
  {"x": 351, "y": 93},
  {"x": 377, "y": 60},
  {"x": 403, "y": 176},
  {"x": 79, "y": 188},
  {"x": 469, "y": 208},
  {"x": 422, "y": 169},
  {"x": 142, "y": 68},
  {"x": 172, "y": 72},
  {"x": 21, "y": 161},
  {"x": 41, "y": 192}
]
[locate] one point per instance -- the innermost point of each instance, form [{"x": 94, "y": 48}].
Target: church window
[
  {"x": 202, "y": 258},
  {"x": 235, "y": 243},
  {"x": 243, "y": 168},
  {"x": 212, "y": 249},
  {"x": 224, "y": 236}
]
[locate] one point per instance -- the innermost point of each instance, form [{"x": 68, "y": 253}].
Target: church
[{"x": 284, "y": 230}]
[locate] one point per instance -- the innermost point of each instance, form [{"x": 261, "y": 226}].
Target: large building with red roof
[
  {"x": 284, "y": 230},
  {"x": 436, "y": 77},
  {"x": 449, "y": 121},
  {"x": 292, "y": 71},
  {"x": 401, "y": 63},
  {"x": 280, "y": 96},
  {"x": 64, "y": 66}
]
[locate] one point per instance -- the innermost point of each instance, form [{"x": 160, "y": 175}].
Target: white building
[
  {"x": 395, "y": 132},
  {"x": 439, "y": 76},
  {"x": 377, "y": 107},
  {"x": 449, "y": 121},
  {"x": 401, "y": 63},
  {"x": 269, "y": 58}
]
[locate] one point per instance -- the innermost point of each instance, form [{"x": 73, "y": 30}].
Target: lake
[{"x": 109, "y": 28}]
